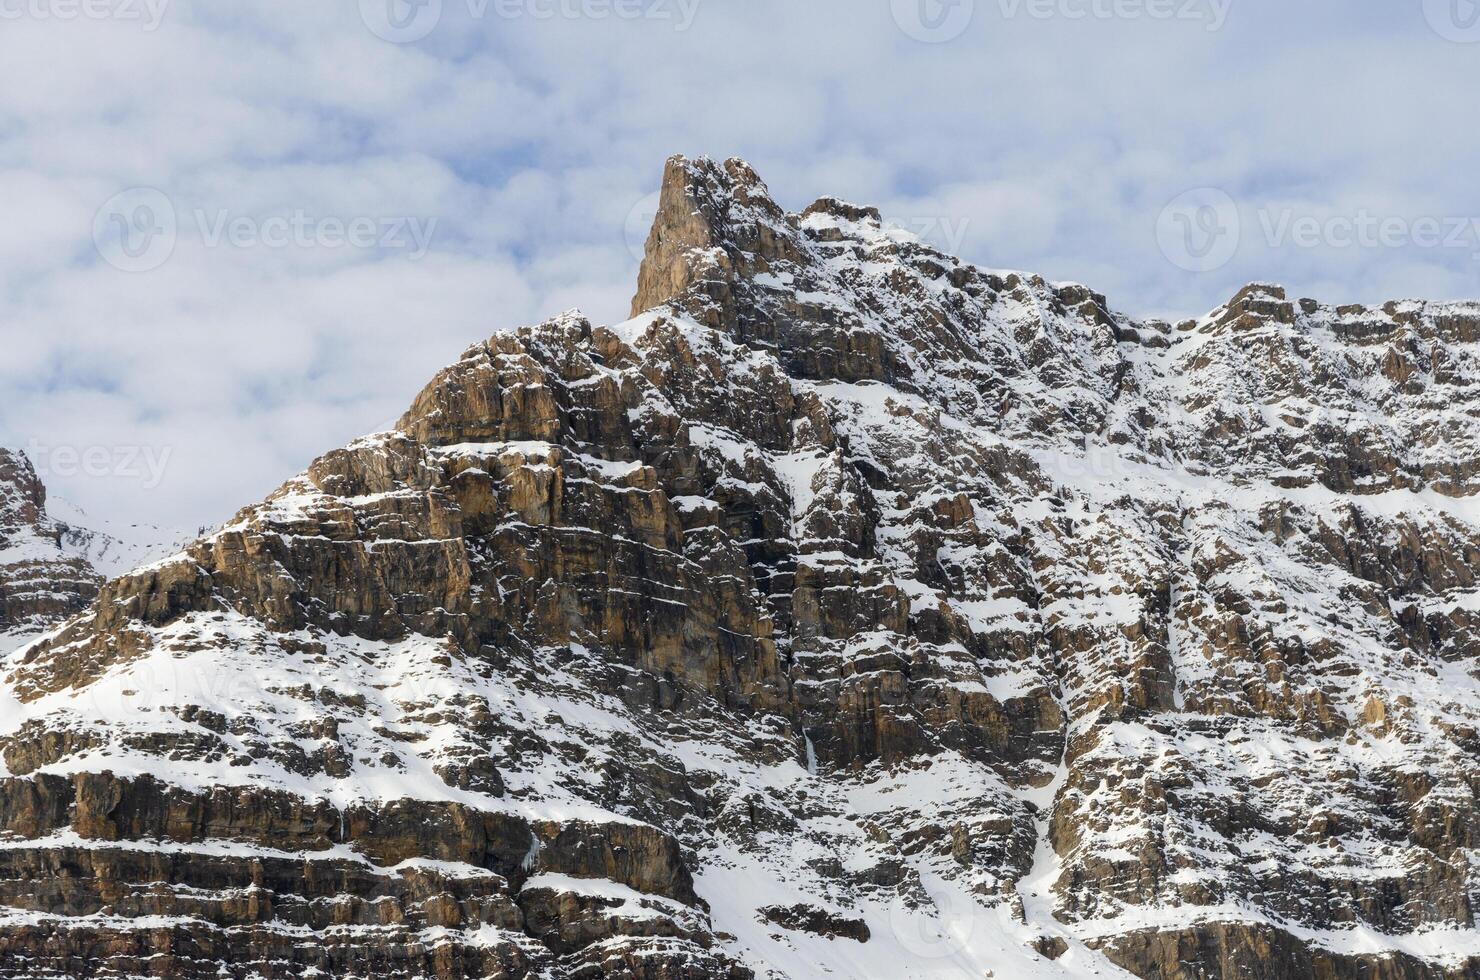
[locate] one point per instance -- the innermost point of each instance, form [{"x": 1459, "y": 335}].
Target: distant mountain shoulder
[{"x": 53, "y": 557}]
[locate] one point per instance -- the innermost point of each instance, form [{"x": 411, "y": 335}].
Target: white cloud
[{"x": 1046, "y": 144}]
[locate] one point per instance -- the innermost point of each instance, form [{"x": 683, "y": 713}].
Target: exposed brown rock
[{"x": 844, "y": 572}]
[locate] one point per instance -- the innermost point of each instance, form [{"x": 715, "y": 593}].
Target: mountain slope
[
  {"x": 848, "y": 611},
  {"x": 53, "y": 557},
  {"x": 41, "y": 583}
]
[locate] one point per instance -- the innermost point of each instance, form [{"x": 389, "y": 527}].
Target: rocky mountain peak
[
  {"x": 22, "y": 495},
  {"x": 831, "y": 207},
  {"x": 43, "y": 576},
  {"x": 51, "y": 565},
  {"x": 849, "y": 610},
  {"x": 708, "y": 215}
]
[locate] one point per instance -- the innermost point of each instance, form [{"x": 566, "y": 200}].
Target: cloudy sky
[{"x": 237, "y": 235}]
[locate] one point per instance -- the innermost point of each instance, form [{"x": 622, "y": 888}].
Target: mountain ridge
[
  {"x": 50, "y": 565},
  {"x": 847, "y": 605}
]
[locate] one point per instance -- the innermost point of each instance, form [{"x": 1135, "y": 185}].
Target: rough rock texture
[
  {"x": 849, "y": 611},
  {"x": 43, "y": 578}
]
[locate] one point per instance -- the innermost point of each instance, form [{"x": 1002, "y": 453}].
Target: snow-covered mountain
[
  {"x": 848, "y": 612},
  {"x": 53, "y": 556}
]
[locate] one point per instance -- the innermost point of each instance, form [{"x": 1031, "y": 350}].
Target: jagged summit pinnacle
[
  {"x": 22, "y": 494},
  {"x": 703, "y": 207}
]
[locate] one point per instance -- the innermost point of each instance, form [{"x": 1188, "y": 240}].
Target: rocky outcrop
[
  {"x": 42, "y": 579},
  {"x": 53, "y": 565},
  {"x": 849, "y": 609}
]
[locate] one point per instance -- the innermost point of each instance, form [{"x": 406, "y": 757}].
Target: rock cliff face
[
  {"x": 52, "y": 566},
  {"x": 44, "y": 574},
  {"x": 849, "y": 611}
]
